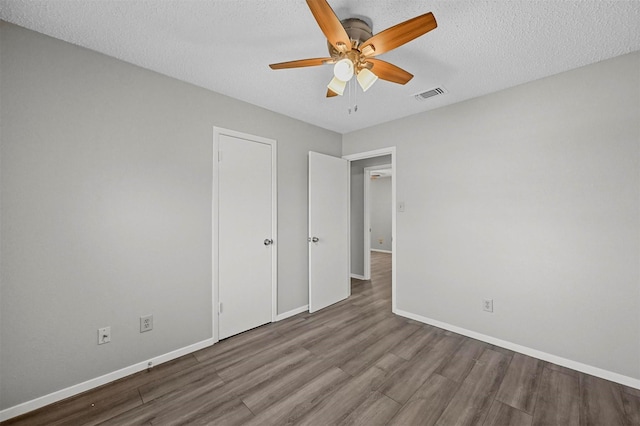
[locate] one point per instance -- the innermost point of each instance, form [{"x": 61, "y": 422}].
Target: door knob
[
  {"x": 314, "y": 239},
  {"x": 268, "y": 242}
]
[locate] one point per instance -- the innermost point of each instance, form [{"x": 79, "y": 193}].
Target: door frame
[
  {"x": 379, "y": 153},
  {"x": 367, "y": 216},
  {"x": 217, "y": 132}
]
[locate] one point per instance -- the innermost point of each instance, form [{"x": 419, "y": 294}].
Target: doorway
[
  {"x": 377, "y": 213},
  {"x": 358, "y": 244},
  {"x": 244, "y": 223}
]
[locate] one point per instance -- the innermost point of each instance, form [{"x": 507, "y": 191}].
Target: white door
[
  {"x": 328, "y": 230},
  {"x": 245, "y": 251}
]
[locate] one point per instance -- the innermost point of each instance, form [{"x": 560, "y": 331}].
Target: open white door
[{"x": 328, "y": 230}]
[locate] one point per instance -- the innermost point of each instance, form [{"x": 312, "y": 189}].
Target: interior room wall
[
  {"x": 380, "y": 213},
  {"x": 530, "y": 197},
  {"x": 357, "y": 209},
  {"x": 106, "y": 192}
]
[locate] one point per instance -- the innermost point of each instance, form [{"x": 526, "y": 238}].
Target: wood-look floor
[{"x": 352, "y": 363}]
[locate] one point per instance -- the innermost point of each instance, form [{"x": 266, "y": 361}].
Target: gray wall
[
  {"x": 106, "y": 172},
  {"x": 380, "y": 213},
  {"x": 357, "y": 209},
  {"x": 529, "y": 196}
]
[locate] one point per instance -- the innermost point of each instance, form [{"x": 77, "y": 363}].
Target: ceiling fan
[{"x": 352, "y": 48}]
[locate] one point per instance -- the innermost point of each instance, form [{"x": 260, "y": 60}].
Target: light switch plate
[{"x": 104, "y": 335}]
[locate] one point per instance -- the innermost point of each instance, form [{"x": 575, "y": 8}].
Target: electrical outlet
[
  {"x": 104, "y": 335},
  {"x": 146, "y": 323},
  {"x": 487, "y": 305}
]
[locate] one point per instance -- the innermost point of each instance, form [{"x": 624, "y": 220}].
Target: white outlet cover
[{"x": 146, "y": 323}]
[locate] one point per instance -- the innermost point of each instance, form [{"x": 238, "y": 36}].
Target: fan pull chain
[
  {"x": 349, "y": 88},
  {"x": 355, "y": 96}
]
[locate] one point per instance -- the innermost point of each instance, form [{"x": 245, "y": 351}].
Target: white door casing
[
  {"x": 244, "y": 251},
  {"x": 329, "y": 278}
]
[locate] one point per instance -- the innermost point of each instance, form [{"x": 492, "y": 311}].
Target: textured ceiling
[{"x": 479, "y": 47}]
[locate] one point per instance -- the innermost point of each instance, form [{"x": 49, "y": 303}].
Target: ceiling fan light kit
[
  {"x": 337, "y": 86},
  {"x": 343, "y": 69},
  {"x": 366, "y": 79},
  {"x": 352, "y": 48}
]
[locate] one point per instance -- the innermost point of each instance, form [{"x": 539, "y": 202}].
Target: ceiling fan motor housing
[{"x": 357, "y": 30}]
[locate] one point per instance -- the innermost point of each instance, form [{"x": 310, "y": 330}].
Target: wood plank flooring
[{"x": 354, "y": 363}]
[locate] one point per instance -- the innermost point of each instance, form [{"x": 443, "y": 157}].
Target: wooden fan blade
[
  {"x": 301, "y": 63},
  {"x": 331, "y": 93},
  {"x": 330, "y": 25},
  {"x": 398, "y": 35},
  {"x": 386, "y": 71}
]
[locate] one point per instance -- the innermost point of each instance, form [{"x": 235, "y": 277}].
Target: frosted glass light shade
[
  {"x": 337, "y": 86},
  {"x": 343, "y": 69},
  {"x": 366, "y": 79}
]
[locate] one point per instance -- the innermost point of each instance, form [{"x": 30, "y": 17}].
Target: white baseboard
[
  {"x": 382, "y": 251},
  {"x": 574, "y": 365},
  {"x": 42, "y": 401},
  {"x": 358, "y": 277},
  {"x": 292, "y": 312}
]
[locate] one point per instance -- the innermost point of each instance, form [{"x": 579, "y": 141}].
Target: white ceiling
[{"x": 479, "y": 47}]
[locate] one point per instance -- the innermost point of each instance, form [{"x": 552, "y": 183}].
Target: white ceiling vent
[{"x": 430, "y": 93}]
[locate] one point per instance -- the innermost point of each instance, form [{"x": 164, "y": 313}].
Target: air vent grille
[{"x": 430, "y": 93}]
